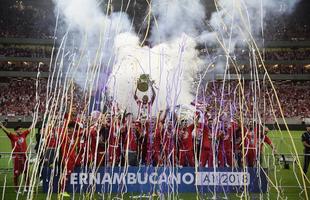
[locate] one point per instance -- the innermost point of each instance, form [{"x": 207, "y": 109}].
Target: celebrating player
[
  {"x": 19, "y": 154},
  {"x": 186, "y": 147},
  {"x": 144, "y": 105}
]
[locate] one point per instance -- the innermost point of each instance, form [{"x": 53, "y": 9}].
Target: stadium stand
[
  {"x": 25, "y": 51},
  {"x": 18, "y": 20},
  {"x": 287, "y": 27},
  {"x": 26, "y": 45},
  {"x": 21, "y": 19},
  {"x": 23, "y": 66},
  {"x": 18, "y": 97}
]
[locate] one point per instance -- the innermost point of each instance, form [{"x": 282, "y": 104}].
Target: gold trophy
[{"x": 143, "y": 82}]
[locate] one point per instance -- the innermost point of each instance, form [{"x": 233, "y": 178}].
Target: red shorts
[
  {"x": 20, "y": 164},
  {"x": 186, "y": 158}
]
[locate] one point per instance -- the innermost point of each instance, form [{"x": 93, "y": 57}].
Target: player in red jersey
[
  {"x": 114, "y": 140},
  {"x": 84, "y": 154},
  {"x": 263, "y": 138},
  {"x": 95, "y": 152},
  {"x": 19, "y": 154},
  {"x": 130, "y": 141},
  {"x": 142, "y": 129},
  {"x": 157, "y": 140},
  {"x": 87, "y": 143},
  {"x": 228, "y": 144},
  {"x": 144, "y": 105},
  {"x": 49, "y": 137},
  {"x": 254, "y": 142},
  {"x": 168, "y": 144},
  {"x": 68, "y": 143},
  {"x": 220, "y": 147},
  {"x": 238, "y": 131},
  {"x": 100, "y": 137},
  {"x": 250, "y": 145},
  {"x": 206, "y": 153},
  {"x": 186, "y": 146}
]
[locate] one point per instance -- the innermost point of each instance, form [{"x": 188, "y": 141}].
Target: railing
[{"x": 30, "y": 41}]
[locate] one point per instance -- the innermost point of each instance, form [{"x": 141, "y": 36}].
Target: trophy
[{"x": 143, "y": 82}]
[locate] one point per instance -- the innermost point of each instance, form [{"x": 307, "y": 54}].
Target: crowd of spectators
[
  {"x": 239, "y": 55},
  {"x": 272, "y": 69},
  {"x": 18, "y": 97},
  {"x": 25, "y": 51},
  {"x": 288, "y": 54},
  {"x": 24, "y": 66},
  {"x": 37, "y": 20},
  {"x": 20, "y": 20},
  {"x": 280, "y": 54},
  {"x": 274, "y": 54},
  {"x": 293, "y": 97},
  {"x": 284, "y": 27}
]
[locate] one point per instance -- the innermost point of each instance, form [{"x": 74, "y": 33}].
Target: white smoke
[
  {"x": 172, "y": 65},
  {"x": 90, "y": 37},
  {"x": 173, "y": 62},
  {"x": 86, "y": 16},
  {"x": 236, "y": 21},
  {"x": 241, "y": 22},
  {"x": 175, "y": 17}
]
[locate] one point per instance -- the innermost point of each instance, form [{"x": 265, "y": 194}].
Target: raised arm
[
  {"x": 162, "y": 116},
  {"x": 27, "y": 131},
  {"x": 268, "y": 141},
  {"x": 135, "y": 95},
  {"x": 5, "y": 129},
  {"x": 153, "y": 95},
  {"x": 32, "y": 126}
]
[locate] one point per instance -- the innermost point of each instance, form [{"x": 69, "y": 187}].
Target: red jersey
[
  {"x": 114, "y": 135},
  {"x": 51, "y": 139},
  {"x": 237, "y": 136},
  {"x": 254, "y": 142},
  {"x": 206, "y": 136},
  {"x": 130, "y": 140},
  {"x": 85, "y": 152},
  {"x": 144, "y": 110},
  {"x": 168, "y": 140},
  {"x": 158, "y": 138},
  {"x": 185, "y": 137},
  {"x": 228, "y": 138},
  {"x": 93, "y": 139},
  {"x": 68, "y": 145},
  {"x": 18, "y": 142}
]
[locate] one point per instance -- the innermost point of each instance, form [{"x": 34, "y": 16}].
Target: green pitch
[{"x": 284, "y": 182}]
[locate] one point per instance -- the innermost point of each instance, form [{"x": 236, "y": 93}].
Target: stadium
[{"x": 154, "y": 99}]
